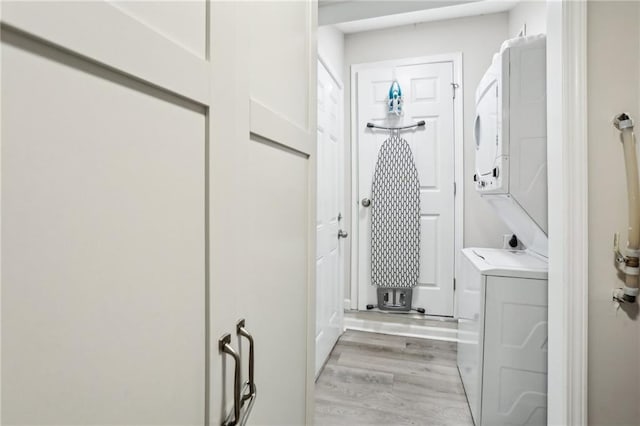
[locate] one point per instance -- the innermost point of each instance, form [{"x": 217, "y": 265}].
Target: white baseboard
[
  {"x": 347, "y": 304},
  {"x": 431, "y": 330}
]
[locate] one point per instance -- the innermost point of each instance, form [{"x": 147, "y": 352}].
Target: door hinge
[
  {"x": 454, "y": 86},
  {"x": 454, "y": 284},
  {"x": 455, "y": 188}
]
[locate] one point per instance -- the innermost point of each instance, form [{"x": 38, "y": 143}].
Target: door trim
[
  {"x": 312, "y": 120},
  {"x": 458, "y": 136},
  {"x": 568, "y": 210}
]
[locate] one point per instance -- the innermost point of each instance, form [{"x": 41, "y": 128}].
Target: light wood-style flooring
[{"x": 378, "y": 379}]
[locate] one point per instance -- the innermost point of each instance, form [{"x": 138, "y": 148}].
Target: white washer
[
  {"x": 502, "y": 294},
  {"x": 502, "y": 335}
]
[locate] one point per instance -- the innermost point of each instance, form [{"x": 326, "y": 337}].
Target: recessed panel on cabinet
[{"x": 103, "y": 310}]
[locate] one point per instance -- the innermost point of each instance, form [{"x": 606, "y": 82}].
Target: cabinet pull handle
[
  {"x": 243, "y": 396},
  {"x": 224, "y": 345},
  {"x": 241, "y": 331}
]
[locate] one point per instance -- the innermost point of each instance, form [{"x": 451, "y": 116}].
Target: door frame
[
  {"x": 568, "y": 211},
  {"x": 458, "y": 153},
  {"x": 568, "y": 206}
]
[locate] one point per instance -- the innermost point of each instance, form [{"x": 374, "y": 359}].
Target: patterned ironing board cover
[{"x": 395, "y": 217}]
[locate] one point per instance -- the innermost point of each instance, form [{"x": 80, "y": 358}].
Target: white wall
[
  {"x": 532, "y": 13},
  {"x": 331, "y": 50},
  {"x": 614, "y": 337}
]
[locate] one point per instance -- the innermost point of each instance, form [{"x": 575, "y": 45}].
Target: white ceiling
[
  {"x": 337, "y": 11},
  {"x": 351, "y": 16}
]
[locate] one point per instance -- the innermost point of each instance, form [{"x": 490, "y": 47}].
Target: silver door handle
[
  {"x": 224, "y": 345},
  {"x": 342, "y": 234},
  {"x": 245, "y": 396},
  {"x": 366, "y": 202},
  {"x": 241, "y": 331}
]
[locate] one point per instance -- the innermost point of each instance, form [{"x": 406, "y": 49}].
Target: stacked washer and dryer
[{"x": 502, "y": 293}]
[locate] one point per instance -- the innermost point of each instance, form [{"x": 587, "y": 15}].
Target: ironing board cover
[{"x": 395, "y": 217}]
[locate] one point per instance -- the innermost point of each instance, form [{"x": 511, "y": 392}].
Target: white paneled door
[
  {"x": 429, "y": 96},
  {"x": 103, "y": 229},
  {"x": 330, "y": 249},
  {"x": 158, "y": 185}
]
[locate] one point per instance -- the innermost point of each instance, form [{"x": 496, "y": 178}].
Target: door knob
[
  {"x": 342, "y": 234},
  {"x": 366, "y": 202}
]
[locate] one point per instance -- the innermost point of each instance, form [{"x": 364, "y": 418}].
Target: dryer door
[{"x": 486, "y": 132}]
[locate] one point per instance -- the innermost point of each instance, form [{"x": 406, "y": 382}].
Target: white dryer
[
  {"x": 510, "y": 133},
  {"x": 502, "y": 294}
]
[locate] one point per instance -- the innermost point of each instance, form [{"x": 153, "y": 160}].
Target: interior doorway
[{"x": 431, "y": 89}]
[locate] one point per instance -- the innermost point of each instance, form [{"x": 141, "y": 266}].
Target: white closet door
[
  {"x": 103, "y": 228},
  {"x": 263, "y": 203},
  {"x": 330, "y": 249},
  {"x": 127, "y": 158}
]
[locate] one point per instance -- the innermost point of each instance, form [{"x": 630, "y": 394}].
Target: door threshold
[{"x": 407, "y": 325}]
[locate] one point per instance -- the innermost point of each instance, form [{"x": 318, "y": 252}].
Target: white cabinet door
[
  {"x": 157, "y": 186},
  {"x": 103, "y": 197},
  {"x": 428, "y": 96},
  {"x": 329, "y": 288},
  {"x": 262, "y": 215},
  {"x": 514, "y": 385}
]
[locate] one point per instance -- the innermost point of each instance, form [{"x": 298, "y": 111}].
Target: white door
[
  {"x": 103, "y": 227},
  {"x": 158, "y": 185},
  {"x": 262, "y": 212},
  {"x": 329, "y": 288},
  {"x": 428, "y": 95}
]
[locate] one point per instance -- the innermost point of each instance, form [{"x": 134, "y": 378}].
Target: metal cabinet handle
[
  {"x": 342, "y": 234},
  {"x": 241, "y": 331},
  {"x": 366, "y": 202},
  {"x": 245, "y": 396},
  {"x": 224, "y": 345}
]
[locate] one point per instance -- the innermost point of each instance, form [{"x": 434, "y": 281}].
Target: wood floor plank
[
  {"x": 339, "y": 373},
  {"x": 376, "y": 379},
  {"x": 428, "y": 386},
  {"x": 362, "y": 338},
  {"x": 397, "y": 366},
  {"x": 343, "y": 415},
  {"x": 436, "y": 357}
]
